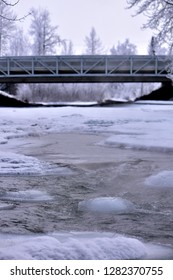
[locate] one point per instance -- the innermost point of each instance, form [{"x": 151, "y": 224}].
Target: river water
[
  {"x": 96, "y": 201},
  {"x": 106, "y": 195}
]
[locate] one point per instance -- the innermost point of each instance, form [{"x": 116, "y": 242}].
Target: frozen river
[{"x": 87, "y": 183}]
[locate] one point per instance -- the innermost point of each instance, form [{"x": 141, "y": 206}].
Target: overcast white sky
[{"x": 110, "y": 18}]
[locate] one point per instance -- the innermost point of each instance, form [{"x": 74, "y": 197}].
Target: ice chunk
[
  {"x": 5, "y": 206},
  {"x": 115, "y": 205},
  {"x": 162, "y": 179},
  {"x": 26, "y": 196}
]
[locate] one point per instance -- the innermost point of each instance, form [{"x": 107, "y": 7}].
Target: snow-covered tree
[
  {"x": 159, "y": 18},
  {"x": 45, "y": 35},
  {"x": 67, "y": 47},
  {"x": 19, "y": 43},
  {"x": 7, "y": 27},
  {"x": 125, "y": 48},
  {"x": 93, "y": 43},
  {"x": 154, "y": 48}
]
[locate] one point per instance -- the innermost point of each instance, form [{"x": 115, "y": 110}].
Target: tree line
[{"x": 43, "y": 38}]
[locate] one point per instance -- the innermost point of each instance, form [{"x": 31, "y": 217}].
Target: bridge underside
[
  {"x": 84, "y": 69},
  {"x": 84, "y": 79}
]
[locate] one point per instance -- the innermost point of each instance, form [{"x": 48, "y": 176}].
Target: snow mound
[
  {"x": 26, "y": 196},
  {"x": 162, "y": 179},
  {"x": 115, "y": 205},
  {"x": 79, "y": 246},
  {"x": 50, "y": 248}
]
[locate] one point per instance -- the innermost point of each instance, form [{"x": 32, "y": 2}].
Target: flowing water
[{"x": 102, "y": 208}]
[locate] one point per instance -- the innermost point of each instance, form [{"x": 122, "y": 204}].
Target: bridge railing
[{"x": 79, "y": 67}]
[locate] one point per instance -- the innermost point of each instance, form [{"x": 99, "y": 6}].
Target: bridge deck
[{"x": 84, "y": 68}]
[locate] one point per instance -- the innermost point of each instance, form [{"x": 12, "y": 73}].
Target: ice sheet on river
[{"x": 135, "y": 125}]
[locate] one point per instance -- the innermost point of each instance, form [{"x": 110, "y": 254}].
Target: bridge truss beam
[{"x": 84, "y": 69}]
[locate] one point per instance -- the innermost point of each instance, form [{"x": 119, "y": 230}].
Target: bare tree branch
[
  {"x": 10, "y": 4},
  {"x": 168, "y": 2},
  {"x": 14, "y": 17}
]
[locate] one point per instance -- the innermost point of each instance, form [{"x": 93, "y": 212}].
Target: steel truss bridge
[{"x": 84, "y": 69}]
